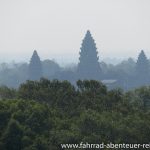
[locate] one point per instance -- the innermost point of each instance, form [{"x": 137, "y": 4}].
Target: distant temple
[
  {"x": 128, "y": 74},
  {"x": 89, "y": 66},
  {"x": 35, "y": 67}
]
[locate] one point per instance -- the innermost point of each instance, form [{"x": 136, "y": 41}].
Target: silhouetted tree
[
  {"x": 35, "y": 67},
  {"x": 89, "y": 67},
  {"x": 50, "y": 68}
]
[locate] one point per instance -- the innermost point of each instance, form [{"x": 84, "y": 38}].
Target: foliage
[
  {"x": 26, "y": 122},
  {"x": 7, "y": 93},
  {"x": 44, "y": 114}
]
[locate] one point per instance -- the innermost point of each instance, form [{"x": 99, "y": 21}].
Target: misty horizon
[
  {"x": 56, "y": 28},
  {"x": 68, "y": 61}
]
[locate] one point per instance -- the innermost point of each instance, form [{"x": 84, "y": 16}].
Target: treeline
[
  {"x": 125, "y": 74},
  {"x": 128, "y": 74},
  {"x": 41, "y": 115},
  {"x": 13, "y": 74}
]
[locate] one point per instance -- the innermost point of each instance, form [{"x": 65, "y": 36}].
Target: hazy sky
[{"x": 55, "y": 28}]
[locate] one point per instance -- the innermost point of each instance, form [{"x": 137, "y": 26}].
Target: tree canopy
[{"x": 42, "y": 115}]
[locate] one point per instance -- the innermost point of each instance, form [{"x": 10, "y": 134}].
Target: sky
[{"x": 56, "y": 28}]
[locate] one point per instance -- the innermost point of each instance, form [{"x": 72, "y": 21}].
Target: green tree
[
  {"x": 7, "y": 93},
  {"x": 12, "y": 136}
]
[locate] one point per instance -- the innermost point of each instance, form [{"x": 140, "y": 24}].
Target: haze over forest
[
  {"x": 71, "y": 40},
  {"x": 73, "y": 73},
  {"x": 56, "y": 29}
]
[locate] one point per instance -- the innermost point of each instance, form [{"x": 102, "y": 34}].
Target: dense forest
[
  {"x": 42, "y": 115},
  {"x": 74, "y": 74},
  {"x": 43, "y": 105}
]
